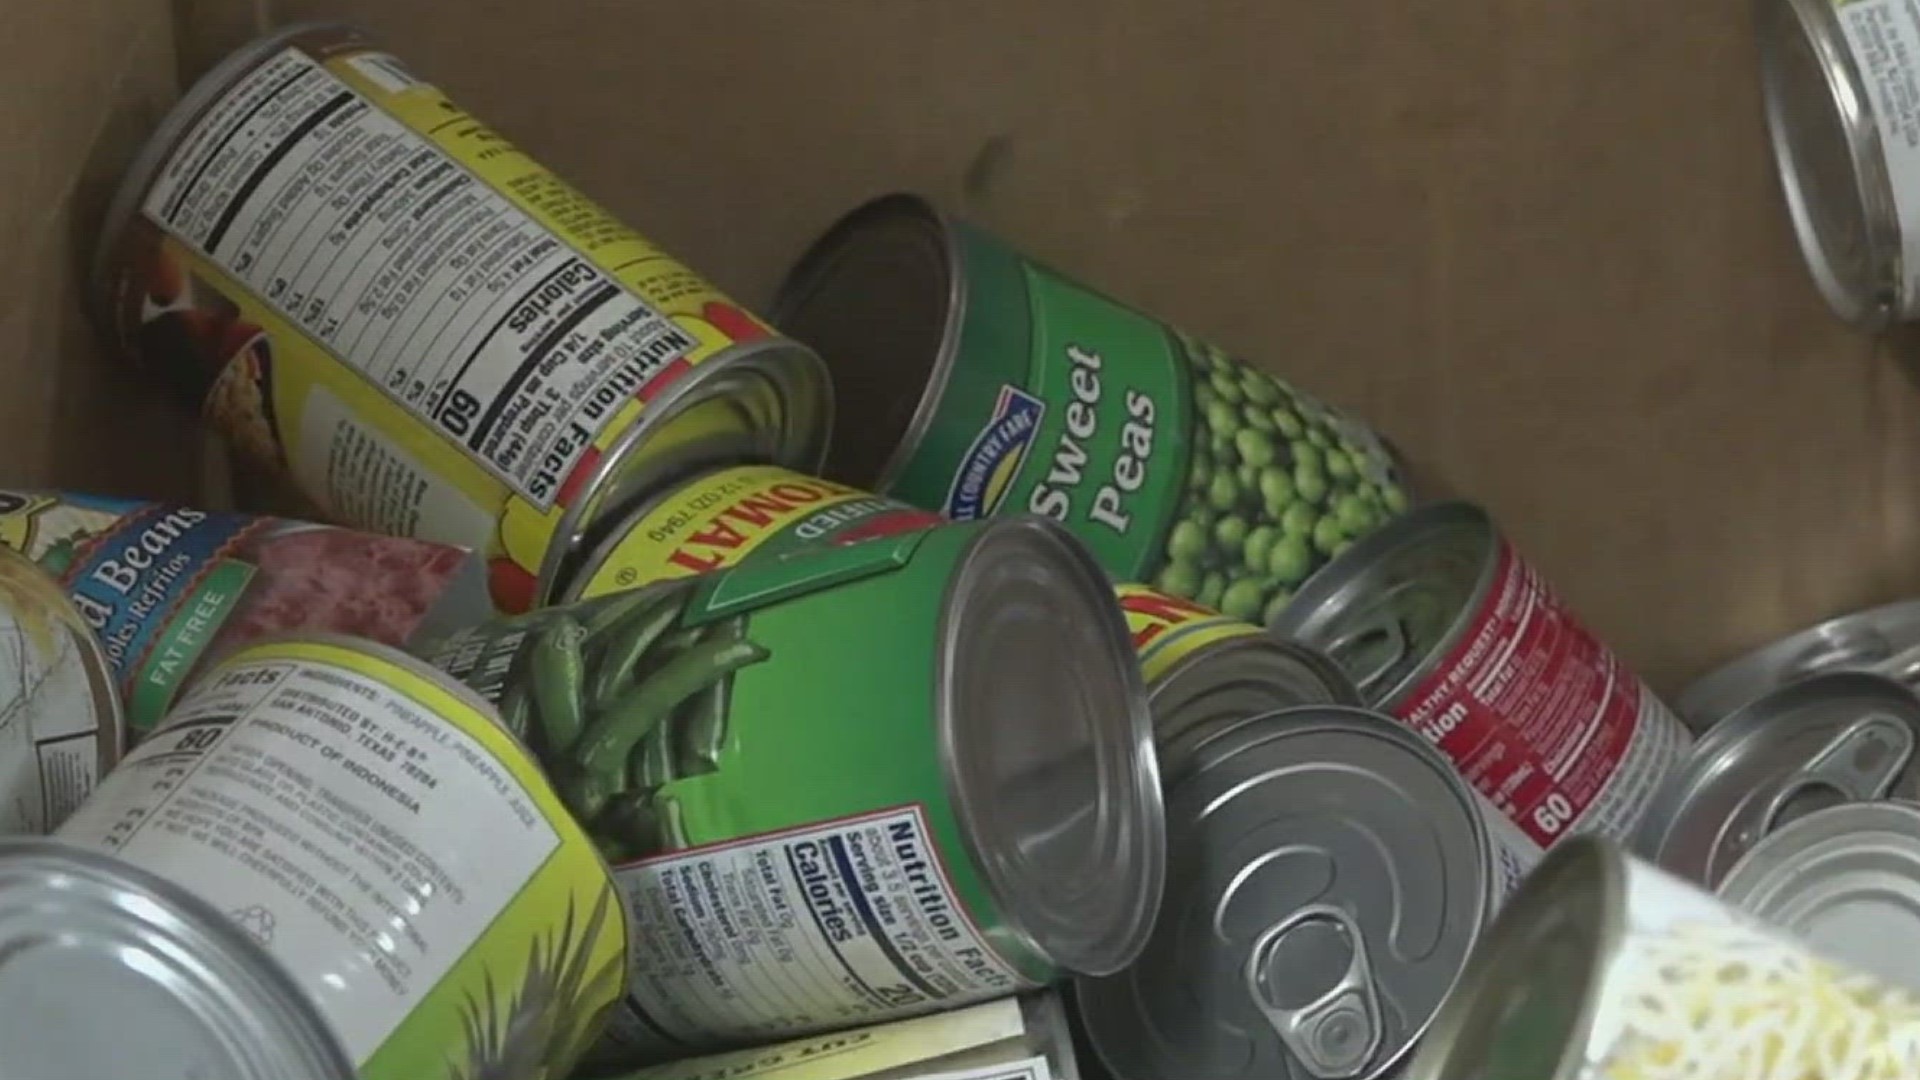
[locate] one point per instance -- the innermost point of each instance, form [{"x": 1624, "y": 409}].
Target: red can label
[{"x": 1542, "y": 718}]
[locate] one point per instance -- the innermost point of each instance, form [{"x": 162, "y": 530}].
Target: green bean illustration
[
  {"x": 611, "y": 738},
  {"x": 558, "y": 672},
  {"x": 702, "y": 731},
  {"x": 644, "y": 618},
  {"x": 651, "y": 763}
]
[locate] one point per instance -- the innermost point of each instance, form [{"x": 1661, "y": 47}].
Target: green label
[{"x": 185, "y": 638}]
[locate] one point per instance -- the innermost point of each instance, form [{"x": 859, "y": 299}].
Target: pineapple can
[{"x": 370, "y": 824}]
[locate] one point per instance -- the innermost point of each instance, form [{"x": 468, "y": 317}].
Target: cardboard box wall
[{"x": 1539, "y": 244}]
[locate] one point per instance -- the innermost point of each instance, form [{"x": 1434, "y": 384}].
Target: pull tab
[
  {"x": 1352, "y": 649},
  {"x": 1334, "y": 1032},
  {"x": 1859, "y": 764},
  {"x": 1853, "y": 647},
  {"x": 1902, "y": 666}
]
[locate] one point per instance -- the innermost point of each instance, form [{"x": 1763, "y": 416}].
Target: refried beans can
[
  {"x": 371, "y": 291},
  {"x": 1442, "y": 624},
  {"x": 850, "y": 785},
  {"x": 369, "y": 824},
  {"x": 170, "y": 589}
]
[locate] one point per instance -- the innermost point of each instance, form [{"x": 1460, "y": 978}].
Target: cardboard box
[{"x": 1540, "y": 244}]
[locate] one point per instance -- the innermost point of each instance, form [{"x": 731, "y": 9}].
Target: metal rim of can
[
  {"x": 1716, "y": 757},
  {"x": 1335, "y": 588},
  {"x": 1095, "y": 917},
  {"x": 102, "y": 687},
  {"x": 1832, "y": 168},
  {"x": 1854, "y": 856},
  {"x": 1881, "y": 640},
  {"x": 246, "y": 1005},
  {"x": 810, "y": 288},
  {"x": 1569, "y": 919},
  {"x": 602, "y": 540},
  {"x": 1109, "y": 1005},
  {"x": 1243, "y": 676}
]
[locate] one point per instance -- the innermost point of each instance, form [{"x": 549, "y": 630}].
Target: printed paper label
[{"x": 1884, "y": 38}]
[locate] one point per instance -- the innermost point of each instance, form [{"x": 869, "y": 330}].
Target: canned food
[
  {"x": 989, "y": 382},
  {"x": 1329, "y": 874},
  {"x": 1838, "y": 76},
  {"x": 368, "y": 823},
  {"x": 169, "y": 590},
  {"x": 934, "y": 746},
  {"x": 1883, "y": 640},
  {"x": 1845, "y": 736},
  {"x": 1442, "y": 624},
  {"x": 371, "y": 291},
  {"x": 60, "y": 724},
  {"x": 183, "y": 991},
  {"x": 1846, "y": 880},
  {"x": 1201, "y": 666},
  {"x": 1604, "y": 968}
]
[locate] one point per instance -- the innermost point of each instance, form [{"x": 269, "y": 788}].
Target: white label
[
  {"x": 1659, "y": 743},
  {"x": 807, "y": 930},
  {"x": 1031, "y": 1069},
  {"x": 364, "y": 841},
  {"x": 412, "y": 271},
  {"x": 49, "y": 722},
  {"x": 1884, "y": 38},
  {"x": 369, "y": 479}
]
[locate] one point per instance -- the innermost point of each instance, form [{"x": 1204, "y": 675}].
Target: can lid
[
  {"x": 1884, "y": 640},
  {"x": 1827, "y": 148},
  {"x": 1329, "y": 875},
  {"x": 1846, "y": 879},
  {"x": 85, "y": 938},
  {"x": 881, "y": 295},
  {"x": 1044, "y": 730},
  {"x": 1839, "y": 737},
  {"x": 1385, "y": 607},
  {"x": 1243, "y": 676}
]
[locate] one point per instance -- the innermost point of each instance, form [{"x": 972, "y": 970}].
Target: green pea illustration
[
  {"x": 1276, "y": 603},
  {"x": 1287, "y": 422},
  {"x": 1276, "y": 490},
  {"x": 1310, "y": 482},
  {"x": 1352, "y": 513},
  {"x": 1222, "y": 417},
  {"x": 1256, "y": 447},
  {"x": 1228, "y": 387},
  {"x": 1254, "y": 550},
  {"x": 1242, "y": 600},
  {"x": 1290, "y": 560},
  {"x": 1187, "y": 541},
  {"x": 1257, "y": 418},
  {"x": 1327, "y": 534},
  {"x": 1211, "y": 589},
  {"x": 1230, "y": 532},
  {"x": 1260, "y": 388},
  {"x": 1298, "y": 519},
  {"x": 1340, "y": 466},
  {"x": 1224, "y": 493}
]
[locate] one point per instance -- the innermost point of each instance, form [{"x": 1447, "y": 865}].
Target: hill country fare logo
[{"x": 993, "y": 460}]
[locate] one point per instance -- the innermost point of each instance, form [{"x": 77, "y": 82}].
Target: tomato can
[
  {"x": 1441, "y": 623},
  {"x": 987, "y": 382},
  {"x": 1883, "y": 640},
  {"x": 60, "y": 722},
  {"x": 169, "y": 590},
  {"x": 371, "y": 826},
  {"x": 1838, "y": 737},
  {"x": 1604, "y": 968},
  {"x": 855, "y": 784},
  {"x": 1329, "y": 875},
  {"x": 371, "y": 291}
]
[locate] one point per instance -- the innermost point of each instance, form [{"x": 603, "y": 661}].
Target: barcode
[{"x": 384, "y": 71}]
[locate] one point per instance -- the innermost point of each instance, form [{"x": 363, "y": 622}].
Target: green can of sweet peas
[
  {"x": 849, "y": 784},
  {"x": 978, "y": 381}
]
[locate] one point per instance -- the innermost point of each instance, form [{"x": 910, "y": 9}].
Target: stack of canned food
[{"x": 1085, "y": 703}]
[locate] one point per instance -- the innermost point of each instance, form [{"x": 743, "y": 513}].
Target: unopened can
[
  {"x": 60, "y": 721},
  {"x": 1846, "y": 880},
  {"x": 370, "y": 825},
  {"x": 170, "y": 589},
  {"x": 1201, "y": 666},
  {"x": 1329, "y": 874},
  {"x": 183, "y": 991},
  {"x": 854, "y": 784},
  {"x": 1839, "y": 78},
  {"x": 1444, "y": 625},
  {"x": 1841, "y": 737},
  {"x": 1604, "y": 968},
  {"x": 988, "y": 382},
  {"x": 369, "y": 289},
  {"x": 1884, "y": 640}
]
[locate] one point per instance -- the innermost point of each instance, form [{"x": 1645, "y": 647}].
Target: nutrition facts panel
[
  {"x": 824, "y": 927},
  {"x": 412, "y": 271}
]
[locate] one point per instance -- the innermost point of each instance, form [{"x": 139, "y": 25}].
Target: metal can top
[
  {"x": 1329, "y": 875},
  {"x": 1240, "y": 677},
  {"x": 182, "y": 992},
  {"x": 1384, "y": 608},
  {"x": 1884, "y": 640},
  {"x": 1043, "y": 726},
  {"x": 881, "y": 295},
  {"x": 1846, "y": 879},
  {"x": 1844, "y": 736},
  {"x": 1827, "y": 148}
]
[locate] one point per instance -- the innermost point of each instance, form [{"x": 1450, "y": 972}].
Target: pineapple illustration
[{"x": 540, "y": 1029}]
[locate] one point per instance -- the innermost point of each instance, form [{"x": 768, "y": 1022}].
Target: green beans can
[
  {"x": 848, "y": 785},
  {"x": 991, "y": 383}
]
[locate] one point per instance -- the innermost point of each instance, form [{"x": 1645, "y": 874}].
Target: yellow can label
[
  {"x": 1167, "y": 629},
  {"x": 377, "y": 293},
  {"x": 390, "y": 845}
]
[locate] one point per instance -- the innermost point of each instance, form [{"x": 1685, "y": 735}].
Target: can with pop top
[
  {"x": 1884, "y": 640},
  {"x": 370, "y": 290}
]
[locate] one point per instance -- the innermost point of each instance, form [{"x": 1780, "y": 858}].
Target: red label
[{"x": 1535, "y": 711}]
